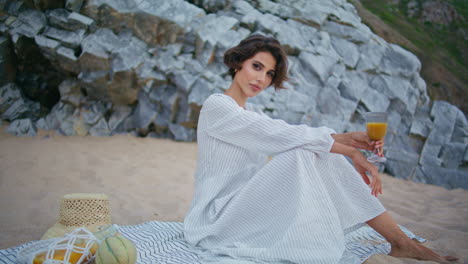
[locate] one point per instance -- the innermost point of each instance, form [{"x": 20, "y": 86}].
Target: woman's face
[{"x": 256, "y": 74}]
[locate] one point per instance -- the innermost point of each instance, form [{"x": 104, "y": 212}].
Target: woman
[{"x": 295, "y": 208}]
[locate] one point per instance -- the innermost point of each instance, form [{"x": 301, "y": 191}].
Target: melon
[{"x": 116, "y": 249}]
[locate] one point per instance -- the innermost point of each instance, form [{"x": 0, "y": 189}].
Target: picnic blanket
[{"x": 163, "y": 242}]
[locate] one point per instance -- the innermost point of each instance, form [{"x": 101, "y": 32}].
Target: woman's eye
[
  {"x": 271, "y": 74},
  {"x": 256, "y": 66}
]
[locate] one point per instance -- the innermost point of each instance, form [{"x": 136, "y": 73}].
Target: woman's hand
[
  {"x": 362, "y": 141},
  {"x": 362, "y": 166}
]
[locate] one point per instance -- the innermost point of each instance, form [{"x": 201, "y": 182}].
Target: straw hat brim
[{"x": 58, "y": 230}]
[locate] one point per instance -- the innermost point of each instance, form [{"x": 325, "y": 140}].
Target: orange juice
[
  {"x": 376, "y": 131},
  {"x": 60, "y": 255}
]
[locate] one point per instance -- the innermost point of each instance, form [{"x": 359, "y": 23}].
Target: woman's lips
[{"x": 255, "y": 87}]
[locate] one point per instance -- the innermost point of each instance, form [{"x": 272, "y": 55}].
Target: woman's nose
[{"x": 261, "y": 76}]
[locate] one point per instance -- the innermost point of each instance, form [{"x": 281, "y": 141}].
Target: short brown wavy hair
[{"x": 247, "y": 48}]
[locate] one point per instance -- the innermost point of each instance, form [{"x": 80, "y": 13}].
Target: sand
[{"x": 152, "y": 179}]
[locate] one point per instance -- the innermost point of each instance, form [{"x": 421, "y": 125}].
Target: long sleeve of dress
[{"x": 229, "y": 122}]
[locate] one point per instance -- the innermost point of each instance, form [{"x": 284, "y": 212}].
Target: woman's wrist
[{"x": 343, "y": 149}]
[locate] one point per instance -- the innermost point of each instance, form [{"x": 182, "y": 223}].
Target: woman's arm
[
  {"x": 358, "y": 140},
  {"x": 226, "y": 121},
  {"x": 361, "y": 164}
]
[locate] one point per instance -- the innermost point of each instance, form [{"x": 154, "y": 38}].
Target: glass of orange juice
[{"x": 376, "y": 123}]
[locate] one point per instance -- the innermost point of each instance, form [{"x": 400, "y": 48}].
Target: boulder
[
  {"x": 66, "y": 20},
  {"x": 70, "y": 92},
  {"x": 100, "y": 129},
  {"x": 118, "y": 116},
  {"x": 452, "y": 154},
  {"x": 29, "y": 24},
  {"x": 448, "y": 178},
  {"x": 155, "y": 22},
  {"x": 182, "y": 133},
  {"x": 320, "y": 65},
  {"x": 22, "y": 127},
  {"x": 353, "y": 85},
  {"x": 145, "y": 112},
  {"x": 74, "y": 5},
  {"x": 347, "y": 50},
  {"x": 71, "y": 39},
  {"x": 397, "y": 61}
]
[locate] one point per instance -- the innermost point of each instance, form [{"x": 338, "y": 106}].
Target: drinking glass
[{"x": 376, "y": 123}]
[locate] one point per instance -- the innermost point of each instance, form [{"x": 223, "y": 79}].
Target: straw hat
[{"x": 89, "y": 210}]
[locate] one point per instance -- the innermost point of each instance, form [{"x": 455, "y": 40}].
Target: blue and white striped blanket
[{"x": 163, "y": 242}]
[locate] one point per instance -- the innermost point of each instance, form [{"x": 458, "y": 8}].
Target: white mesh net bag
[{"x": 77, "y": 247}]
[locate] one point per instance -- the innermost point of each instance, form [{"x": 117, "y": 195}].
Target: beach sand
[{"x": 152, "y": 179}]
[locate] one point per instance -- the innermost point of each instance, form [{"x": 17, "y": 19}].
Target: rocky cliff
[{"x": 145, "y": 67}]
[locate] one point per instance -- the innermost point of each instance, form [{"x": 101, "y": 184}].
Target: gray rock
[
  {"x": 129, "y": 54},
  {"x": 71, "y": 39},
  {"x": 77, "y": 21},
  {"x": 336, "y": 109},
  {"x": 70, "y": 92},
  {"x": 9, "y": 94},
  {"x": 448, "y": 178},
  {"x": 371, "y": 55},
  {"x": 374, "y": 101},
  {"x": 70, "y": 21},
  {"x": 95, "y": 84},
  {"x": 47, "y": 45},
  {"x": 29, "y": 23},
  {"x": 211, "y": 27},
  {"x": 100, "y": 129},
  {"x": 22, "y": 127},
  {"x": 119, "y": 114},
  {"x": 275, "y": 8},
  {"x": 422, "y": 123},
  {"x": 184, "y": 81},
  {"x": 41, "y": 124},
  {"x": 145, "y": 112},
  {"x": 347, "y": 50},
  {"x": 230, "y": 38},
  {"x": 298, "y": 102},
  {"x": 353, "y": 85},
  {"x": 74, "y": 5},
  {"x": 213, "y": 5},
  {"x": 357, "y": 35},
  {"x": 16, "y": 7},
  {"x": 92, "y": 112},
  {"x": 401, "y": 169},
  {"x": 444, "y": 116},
  {"x": 155, "y": 22},
  {"x": 200, "y": 91},
  {"x": 308, "y": 12},
  {"x": 321, "y": 43},
  {"x": 460, "y": 131},
  {"x": 249, "y": 20},
  {"x": 291, "y": 38},
  {"x": 430, "y": 155},
  {"x": 452, "y": 155},
  {"x": 319, "y": 65},
  {"x": 398, "y": 61},
  {"x": 59, "y": 113},
  {"x": 242, "y": 7},
  {"x": 58, "y": 17},
  {"x": 67, "y": 60},
  {"x": 182, "y": 133},
  {"x": 96, "y": 50},
  {"x": 21, "y": 108},
  {"x": 396, "y": 88}
]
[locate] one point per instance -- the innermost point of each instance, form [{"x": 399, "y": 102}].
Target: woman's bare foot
[{"x": 412, "y": 249}]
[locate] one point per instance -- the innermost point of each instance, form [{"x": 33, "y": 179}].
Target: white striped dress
[{"x": 294, "y": 208}]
